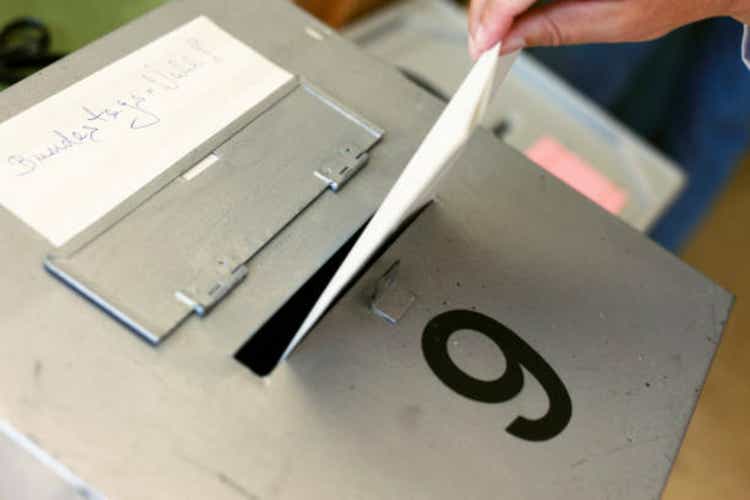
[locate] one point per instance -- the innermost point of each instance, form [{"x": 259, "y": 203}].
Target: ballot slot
[
  {"x": 499, "y": 128},
  {"x": 185, "y": 248},
  {"x": 265, "y": 348}
]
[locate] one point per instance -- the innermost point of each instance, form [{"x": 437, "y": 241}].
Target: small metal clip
[
  {"x": 390, "y": 301},
  {"x": 343, "y": 167}
]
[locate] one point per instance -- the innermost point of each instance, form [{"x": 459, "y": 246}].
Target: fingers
[
  {"x": 490, "y": 20},
  {"x": 476, "y": 8},
  {"x": 570, "y": 22},
  {"x": 475, "y": 12}
]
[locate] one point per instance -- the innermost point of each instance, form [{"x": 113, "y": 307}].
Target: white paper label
[{"x": 67, "y": 161}]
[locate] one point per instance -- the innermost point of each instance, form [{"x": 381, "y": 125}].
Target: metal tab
[
  {"x": 390, "y": 301},
  {"x": 345, "y": 165}
]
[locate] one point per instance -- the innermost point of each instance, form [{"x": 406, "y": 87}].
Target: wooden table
[{"x": 339, "y": 12}]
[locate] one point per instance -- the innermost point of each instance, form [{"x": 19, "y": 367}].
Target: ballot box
[
  {"x": 175, "y": 196},
  {"x": 537, "y": 113}
]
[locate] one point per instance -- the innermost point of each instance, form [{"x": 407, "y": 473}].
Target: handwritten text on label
[
  {"x": 72, "y": 158},
  {"x": 131, "y": 107}
]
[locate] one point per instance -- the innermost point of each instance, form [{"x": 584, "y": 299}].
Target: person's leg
[{"x": 709, "y": 129}]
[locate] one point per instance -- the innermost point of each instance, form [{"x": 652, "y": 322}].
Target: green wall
[{"x": 76, "y": 22}]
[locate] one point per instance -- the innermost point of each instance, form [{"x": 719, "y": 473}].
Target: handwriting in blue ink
[{"x": 132, "y": 108}]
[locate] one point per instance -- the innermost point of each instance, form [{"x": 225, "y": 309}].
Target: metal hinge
[
  {"x": 342, "y": 167},
  {"x": 204, "y": 296}
]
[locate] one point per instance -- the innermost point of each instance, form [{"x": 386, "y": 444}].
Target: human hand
[{"x": 570, "y": 22}]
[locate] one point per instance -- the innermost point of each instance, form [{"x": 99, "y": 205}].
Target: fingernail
[
  {"x": 472, "y": 47},
  {"x": 477, "y": 41},
  {"x": 480, "y": 39},
  {"x": 513, "y": 44}
]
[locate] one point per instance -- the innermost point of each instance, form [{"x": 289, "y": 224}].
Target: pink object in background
[{"x": 577, "y": 173}]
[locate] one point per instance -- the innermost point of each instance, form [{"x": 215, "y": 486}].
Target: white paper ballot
[
  {"x": 414, "y": 187},
  {"x": 67, "y": 161}
]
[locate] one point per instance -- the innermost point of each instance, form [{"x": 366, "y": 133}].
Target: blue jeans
[{"x": 688, "y": 93}]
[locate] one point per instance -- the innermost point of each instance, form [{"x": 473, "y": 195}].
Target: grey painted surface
[
  {"x": 29, "y": 473},
  {"x": 356, "y": 413}
]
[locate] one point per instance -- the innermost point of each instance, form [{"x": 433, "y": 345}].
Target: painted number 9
[{"x": 517, "y": 354}]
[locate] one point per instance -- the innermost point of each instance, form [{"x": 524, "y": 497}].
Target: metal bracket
[
  {"x": 211, "y": 293},
  {"x": 345, "y": 165},
  {"x": 390, "y": 301}
]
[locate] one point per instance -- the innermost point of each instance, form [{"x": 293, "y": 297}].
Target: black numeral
[{"x": 517, "y": 354}]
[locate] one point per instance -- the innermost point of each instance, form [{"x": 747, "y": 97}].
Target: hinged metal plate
[{"x": 185, "y": 248}]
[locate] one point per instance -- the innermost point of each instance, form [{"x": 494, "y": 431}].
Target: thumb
[
  {"x": 490, "y": 21},
  {"x": 568, "y": 22}
]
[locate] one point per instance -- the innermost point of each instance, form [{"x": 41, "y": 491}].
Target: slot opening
[{"x": 263, "y": 351}]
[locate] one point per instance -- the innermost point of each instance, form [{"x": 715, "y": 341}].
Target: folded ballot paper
[{"x": 415, "y": 186}]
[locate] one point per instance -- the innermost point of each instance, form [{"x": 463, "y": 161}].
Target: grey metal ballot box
[{"x": 512, "y": 340}]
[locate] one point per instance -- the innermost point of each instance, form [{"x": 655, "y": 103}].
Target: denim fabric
[{"x": 688, "y": 93}]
